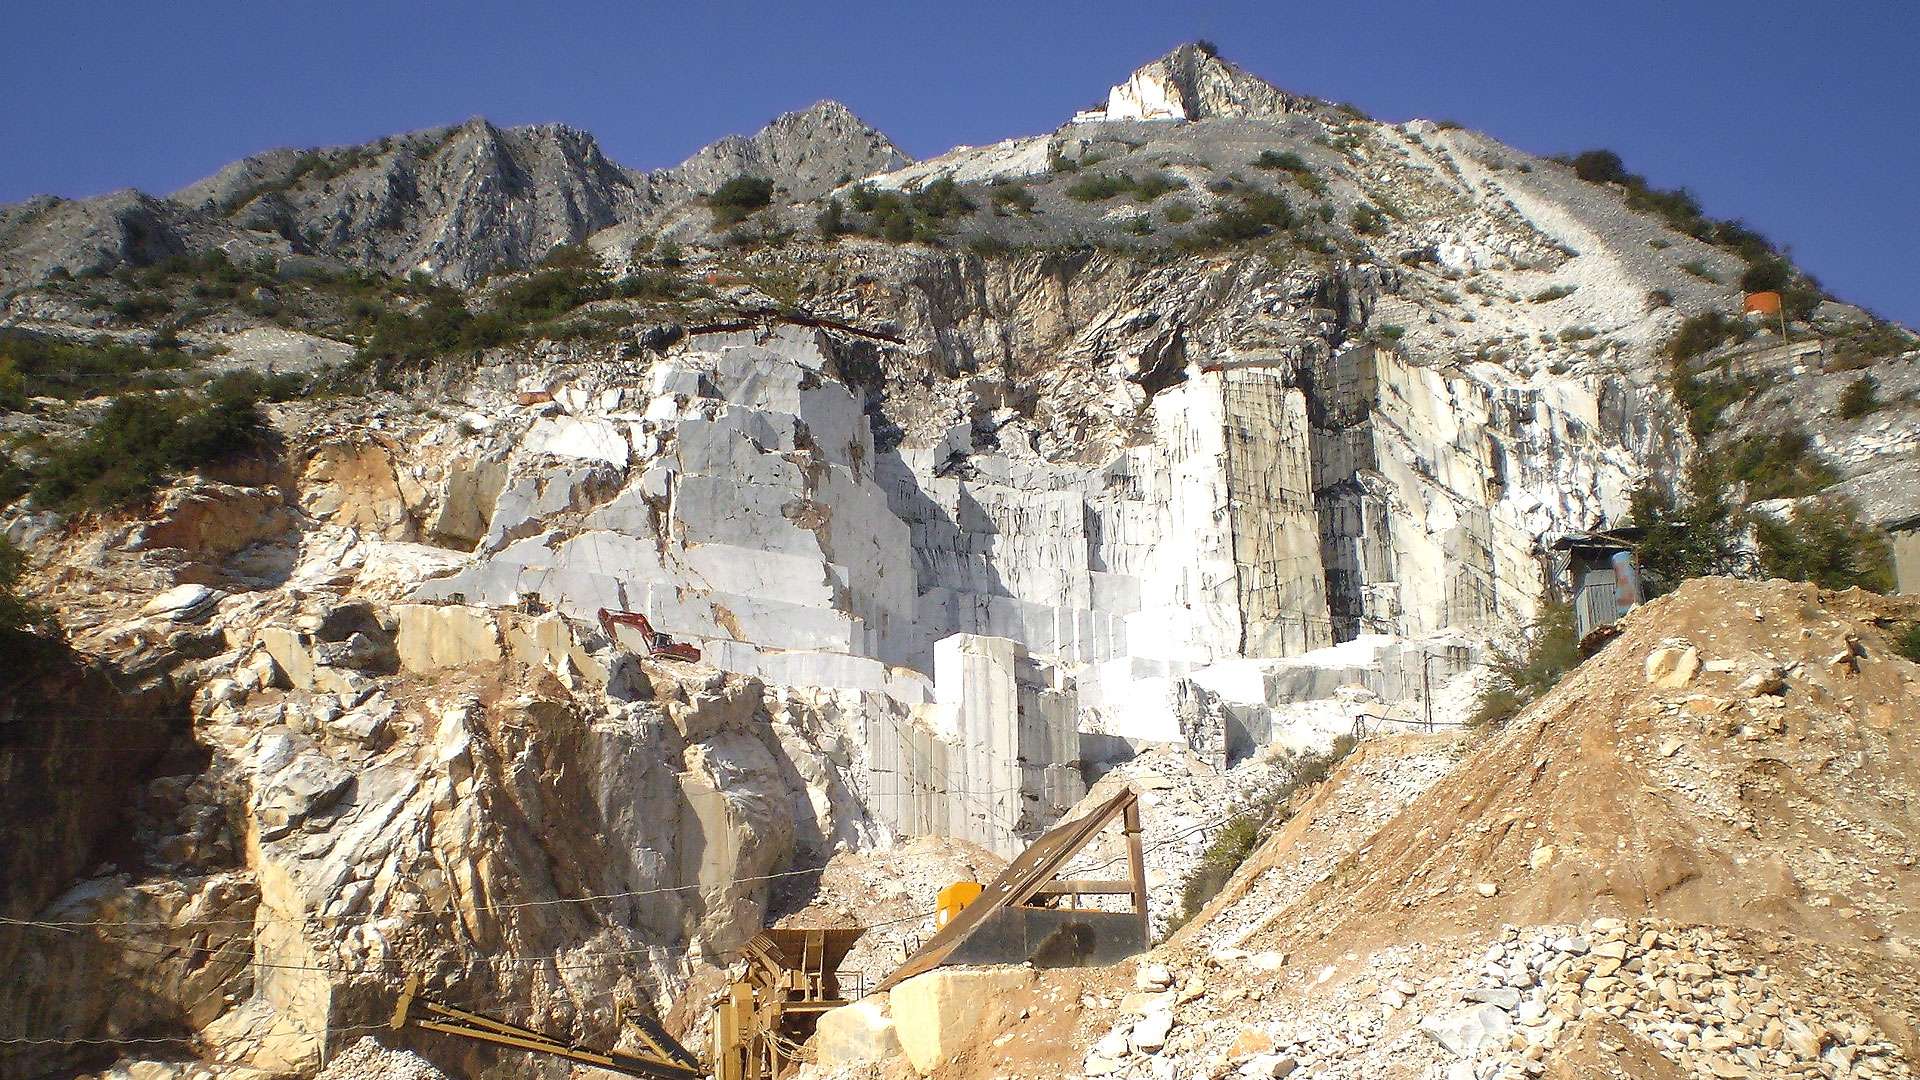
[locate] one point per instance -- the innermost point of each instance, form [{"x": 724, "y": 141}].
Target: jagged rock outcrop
[
  {"x": 806, "y": 153},
  {"x": 1193, "y": 83}
]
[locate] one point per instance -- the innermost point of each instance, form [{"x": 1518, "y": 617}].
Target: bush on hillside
[
  {"x": 1778, "y": 464},
  {"x": 1906, "y": 643},
  {"x": 143, "y": 439},
  {"x": 738, "y": 199},
  {"x": 1007, "y": 195},
  {"x": 22, "y": 624},
  {"x": 1239, "y": 838},
  {"x": 1697, "y": 535},
  {"x": 919, "y": 217},
  {"x": 36, "y": 366},
  {"x": 1861, "y": 397},
  {"x": 1519, "y": 678},
  {"x": 1825, "y": 542}
]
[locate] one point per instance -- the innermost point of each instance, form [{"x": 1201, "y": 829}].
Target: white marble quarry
[
  {"x": 994, "y": 758},
  {"x": 1005, "y": 619}
]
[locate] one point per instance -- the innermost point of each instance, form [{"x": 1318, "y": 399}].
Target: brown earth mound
[{"x": 1740, "y": 755}]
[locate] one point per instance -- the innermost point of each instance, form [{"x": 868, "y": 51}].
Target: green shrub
[
  {"x": 1867, "y": 344},
  {"x": 1294, "y": 165},
  {"x": 918, "y": 217},
  {"x": 21, "y": 623},
  {"x": 1825, "y": 542},
  {"x": 1518, "y": 679},
  {"x": 989, "y": 247},
  {"x": 1141, "y": 225},
  {"x": 1179, "y": 214},
  {"x": 36, "y": 366},
  {"x": 1012, "y": 196},
  {"x": 1274, "y": 159},
  {"x": 1578, "y": 333},
  {"x": 1779, "y": 464},
  {"x": 141, "y": 440},
  {"x": 14, "y": 480},
  {"x": 1769, "y": 274},
  {"x": 1151, "y": 185},
  {"x": 1703, "y": 333},
  {"x": 1681, "y": 540},
  {"x": 1096, "y": 187},
  {"x": 141, "y": 307},
  {"x": 1366, "y": 220},
  {"x": 941, "y": 199},
  {"x": 1906, "y": 643},
  {"x": 1262, "y": 817},
  {"x": 831, "y": 220},
  {"x": 1601, "y": 167},
  {"x": 738, "y": 199},
  {"x": 1701, "y": 270},
  {"x": 1557, "y": 292},
  {"x": 1259, "y": 213},
  {"x": 1861, "y": 397}
]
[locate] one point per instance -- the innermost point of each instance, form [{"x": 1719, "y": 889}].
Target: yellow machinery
[
  {"x": 665, "y": 1058},
  {"x": 953, "y": 900},
  {"x": 768, "y": 1014}
]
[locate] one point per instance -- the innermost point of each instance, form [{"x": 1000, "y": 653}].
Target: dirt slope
[{"x": 1712, "y": 801}]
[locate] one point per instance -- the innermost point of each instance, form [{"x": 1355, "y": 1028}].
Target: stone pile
[{"x": 1697, "y": 994}]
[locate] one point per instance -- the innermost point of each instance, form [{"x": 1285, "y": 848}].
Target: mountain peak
[{"x": 1192, "y": 83}]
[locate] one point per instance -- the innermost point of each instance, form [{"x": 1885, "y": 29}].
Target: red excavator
[{"x": 659, "y": 645}]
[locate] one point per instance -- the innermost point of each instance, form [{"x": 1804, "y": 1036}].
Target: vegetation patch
[
  {"x": 1520, "y": 677},
  {"x": 739, "y": 198},
  {"x": 23, "y": 624},
  {"x": 32, "y": 365},
  {"x": 919, "y": 217},
  {"x": 1860, "y": 397},
  {"x": 1825, "y": 542},
  {"x": 1869, "y": 344},
  {"x": 1557, "y": 292},
  {"x": 1295, "y": 166},
  {"x": 1778, "y": 465},
  {"x": 1366, "y": 220},
  {"x": 1266, "y": 814},
  {"x": 143, "y": 439},
  {"x": 1695, "y": 534},
  {"x": 1013, "y": 197}
]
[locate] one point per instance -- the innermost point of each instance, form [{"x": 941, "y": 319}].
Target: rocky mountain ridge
[{"x": 457, "y": 203}]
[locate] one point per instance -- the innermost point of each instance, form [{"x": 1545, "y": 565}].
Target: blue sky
[{"x": 1803, "y": 119}]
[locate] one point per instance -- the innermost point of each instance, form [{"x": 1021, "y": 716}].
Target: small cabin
[{"x": 1596, "y": 572}]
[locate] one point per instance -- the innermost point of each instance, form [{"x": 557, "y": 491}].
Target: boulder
[
  {"x": 856, "y": 1034},
  {"x": 944, "y": 1011},
  {"x": 1672, "y": 665},
  {"x": 183, "y": 603},
  {"x": 214, "y": 519},
  {"x": 434, "y": 636}
]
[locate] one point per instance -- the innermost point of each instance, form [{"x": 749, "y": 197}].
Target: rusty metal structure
[
  {"x": 791, "y": 976},
  {"x": 1029, "y": 914},
  {"x": 665, "y": 1058}
]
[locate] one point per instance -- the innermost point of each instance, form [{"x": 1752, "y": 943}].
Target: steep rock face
[
  {"x": 48, "y": 236},
  {"x": 457, "y": 203},
  {"x": 806, "y": 153},
  {"x": 1191, "y": 83}
]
